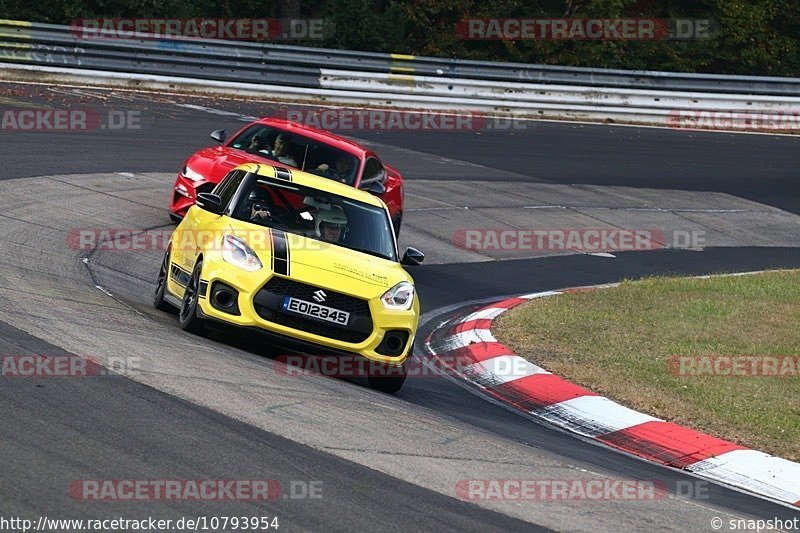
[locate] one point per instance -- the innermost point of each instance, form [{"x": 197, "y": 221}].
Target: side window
[
  {"x": 373, "y": 171},
  {"x": 254, "y": 138},
  {"x": 223, "y": 183},
  {"x": 227, "y": 187}
]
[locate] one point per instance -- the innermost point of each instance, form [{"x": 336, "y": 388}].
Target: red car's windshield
[{"x": 298, "y": 151}]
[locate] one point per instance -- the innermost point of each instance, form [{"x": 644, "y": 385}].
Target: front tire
[
  {"x": 187, "y": 317},
  {"x": 392, "y": 382},
  {"x": 161, "y": 287}
]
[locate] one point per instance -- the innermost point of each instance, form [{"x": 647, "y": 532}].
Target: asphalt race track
[{"x": 217, "y": 408}]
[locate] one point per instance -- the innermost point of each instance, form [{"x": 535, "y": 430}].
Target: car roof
[
  {"x": 317, "y": 134},
  {"x": 315, "y": 182}
]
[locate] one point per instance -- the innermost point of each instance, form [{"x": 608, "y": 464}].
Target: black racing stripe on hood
[{"x": 280, "y": 252}]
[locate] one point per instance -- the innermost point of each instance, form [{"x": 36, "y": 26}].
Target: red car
[{"x": 294, "y": 145}]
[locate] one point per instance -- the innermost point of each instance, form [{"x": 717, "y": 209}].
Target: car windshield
[
  {"x": 317, "y": 215},
  {"x": 298, "y": 151}
]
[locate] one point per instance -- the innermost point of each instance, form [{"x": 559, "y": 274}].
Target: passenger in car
[
  {"x": 256, "y": 143},
  {"x": 281, "y": 150}
]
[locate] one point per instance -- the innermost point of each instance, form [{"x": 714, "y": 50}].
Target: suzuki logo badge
[{"x": 319, "y": 296}]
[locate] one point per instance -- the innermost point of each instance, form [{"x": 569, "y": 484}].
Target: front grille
[
  {"x": 312, "y": 326},
  {"x": 268, "y": 307}
]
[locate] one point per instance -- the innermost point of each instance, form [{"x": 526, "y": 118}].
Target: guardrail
[{"x": 58, "y": 53}]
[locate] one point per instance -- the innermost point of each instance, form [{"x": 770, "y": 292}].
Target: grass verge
[{"x": 633, "y": 344}]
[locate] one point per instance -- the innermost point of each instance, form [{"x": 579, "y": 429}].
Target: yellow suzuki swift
[{"x": 310, "y": 261}]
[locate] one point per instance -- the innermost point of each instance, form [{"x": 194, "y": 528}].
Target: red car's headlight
[{"x": 190, "y": 174}]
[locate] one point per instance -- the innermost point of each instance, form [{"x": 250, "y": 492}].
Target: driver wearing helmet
[{"x": 331, "y": 224}]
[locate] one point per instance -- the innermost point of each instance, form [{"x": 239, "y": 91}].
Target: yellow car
[{"x": 310, "y": 261}]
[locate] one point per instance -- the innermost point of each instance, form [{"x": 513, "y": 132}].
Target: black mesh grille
[
  {"x": 312, "y": 326},
  {"x": 343, "y": 302}
]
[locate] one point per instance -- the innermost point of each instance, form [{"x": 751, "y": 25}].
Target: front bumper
[{"x": 252, "y": 302}]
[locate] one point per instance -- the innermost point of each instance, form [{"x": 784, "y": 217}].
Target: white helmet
[{"x": 334, "y": 216}]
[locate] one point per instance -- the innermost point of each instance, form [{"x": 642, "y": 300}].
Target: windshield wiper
[{"x": 369, "y": 252}]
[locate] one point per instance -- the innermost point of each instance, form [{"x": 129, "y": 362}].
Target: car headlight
[
  {"x": 236, "y": 252},
  {"x": 190, "y": 174},
  {"x": 401, "y": 296}
]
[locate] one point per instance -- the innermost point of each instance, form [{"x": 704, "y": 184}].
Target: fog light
[
  {"x": 225, "y": 298},
  {"x": 393, "y": 343}
]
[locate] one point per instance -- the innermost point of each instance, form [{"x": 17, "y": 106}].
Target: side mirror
[
  {"x": 210, "y": 202},
  {"x": 219, "y": 135},
  {"x": 374, "y": 184},
  {"x": 376, "y": 187},
  {"x": 412, "y": 257}
]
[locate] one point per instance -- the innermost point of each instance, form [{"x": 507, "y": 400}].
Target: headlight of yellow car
[
  {"x": 236, "y": 252},
  {"x": 401, "y": 296}
]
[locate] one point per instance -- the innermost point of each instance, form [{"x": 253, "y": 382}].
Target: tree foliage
[{"x": 756, "y": 37}]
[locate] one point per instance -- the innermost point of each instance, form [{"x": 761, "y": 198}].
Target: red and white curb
[{"x": 470, "y": 350}]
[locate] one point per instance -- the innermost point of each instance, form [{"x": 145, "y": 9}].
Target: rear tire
[
  {"x": 390, "y": 383},
  {"x": 187, "y": 317},
  {"x": 161, "y": 288},
  {"x": 175, "y": 218}
]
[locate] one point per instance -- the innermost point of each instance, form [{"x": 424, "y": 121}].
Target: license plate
[{"x": 315, "y": 310}]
